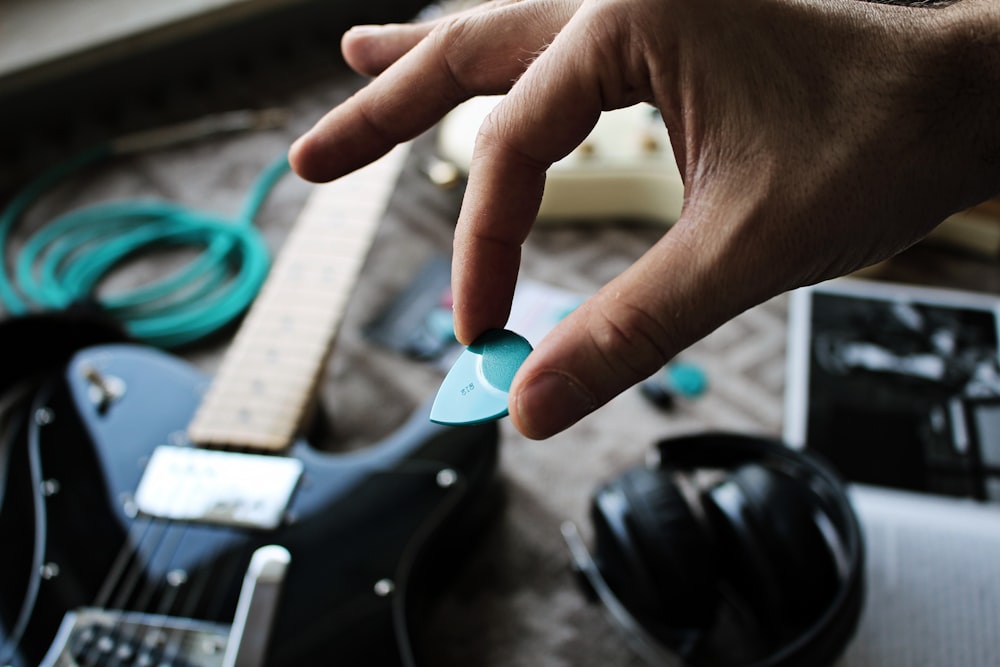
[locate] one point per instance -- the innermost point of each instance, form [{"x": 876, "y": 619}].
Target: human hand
[{"x": 814, "y": 138}]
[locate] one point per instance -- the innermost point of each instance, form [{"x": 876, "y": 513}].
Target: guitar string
[
  {"x": 168, "y": 529},
  {"x": 134, "y": 634},
  {"x": 121, "y": 633},
  {"x": 191, "y": 598},
  {"x": 124, "y": 574},
  {"x": 170, "y": 640},
  {"x": 167, "y": 639},
  {"x": 105, "y": 640},
  {"x": 157, "y": 638},
  {"x": 128, "y": 555},
  {"x": 192, "y": 592},
  {"x": 176, "y": 532},
  {"x": 194, "y": 600}
]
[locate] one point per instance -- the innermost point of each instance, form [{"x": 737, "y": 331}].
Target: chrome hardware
[
  {"x": 257, "y": 607},
  {"x": 103, "y": 390}
]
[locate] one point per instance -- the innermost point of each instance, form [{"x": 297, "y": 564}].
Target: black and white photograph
[{"x": 898, "y": 385}]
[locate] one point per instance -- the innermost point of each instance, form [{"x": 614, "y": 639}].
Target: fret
[
  {"x": 279, "y": 388},
  {"x": 305, "y": 299},
  {"x": 275, "y": 364},
  {"x": 250, "y": 412},
  {"x": 269, "y": 374},
  {"x": 289, "y": 324},
  {"x": 249, "y": 408}
]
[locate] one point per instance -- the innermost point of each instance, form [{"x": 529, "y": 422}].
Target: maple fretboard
[{"x": 268, "y": 376}]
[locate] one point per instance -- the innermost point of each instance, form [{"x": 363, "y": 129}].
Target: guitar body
[{"x": 363, "y": 529}]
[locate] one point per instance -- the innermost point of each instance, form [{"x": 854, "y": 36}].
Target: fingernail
[
  {"x": 365, "y": 29},
  {"x": 551, "y": 402}
]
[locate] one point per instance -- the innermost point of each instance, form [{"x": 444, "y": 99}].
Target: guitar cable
[
  {"x": 64, "y": 262},
  {"x": 11, "y": 409},
  {"x": 39, "y": 544}
]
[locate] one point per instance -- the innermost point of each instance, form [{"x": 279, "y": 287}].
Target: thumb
[{"x": 664, "y": 302}]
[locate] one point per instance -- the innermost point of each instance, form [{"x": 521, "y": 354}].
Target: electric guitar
[{"x": 154, "y": 518}]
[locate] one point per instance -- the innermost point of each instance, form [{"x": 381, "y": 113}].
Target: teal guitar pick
[{"x": 475, "y": 389}]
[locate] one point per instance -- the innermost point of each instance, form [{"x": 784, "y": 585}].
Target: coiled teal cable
[{"x": 65, "y": 261}]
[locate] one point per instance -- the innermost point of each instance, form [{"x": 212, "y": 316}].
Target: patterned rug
[{"x": 514, "y": 602}]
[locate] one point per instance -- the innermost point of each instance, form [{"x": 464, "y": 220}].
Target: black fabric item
[{"x": 42, "y": 342}]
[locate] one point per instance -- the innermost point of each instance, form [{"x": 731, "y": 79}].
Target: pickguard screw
[
  {"x": 50, "y": 487},
  {"x": 446, "y": 478},
  {"x": 50, "y": 571},
  {"x": 129, "y": 506},
  {"x": 384, "y": 587},
  {"x": 44, "y": 416},
  {"x": 177, "y": 578}
]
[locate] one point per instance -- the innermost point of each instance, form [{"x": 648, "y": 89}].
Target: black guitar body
[{"x": 359, "y": 528}]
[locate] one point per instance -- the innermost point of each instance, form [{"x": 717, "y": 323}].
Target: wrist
[{"x": 968, "y": 76}]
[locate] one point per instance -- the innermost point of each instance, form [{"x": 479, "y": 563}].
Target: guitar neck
[{"x": 268, "y": 377}]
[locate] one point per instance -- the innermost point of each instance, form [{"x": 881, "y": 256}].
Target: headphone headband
[{"x": 718, "y": 449}]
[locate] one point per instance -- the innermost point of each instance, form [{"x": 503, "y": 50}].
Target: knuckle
[
  {"x": 502, "y": 133},
  {"x": 633, "y": 341},
  {"x": 470, "y": 54},
  {"x": 376, "y": 124},
  {"x": 486, "y": 50},
  {"x": 450, "y": 40}
]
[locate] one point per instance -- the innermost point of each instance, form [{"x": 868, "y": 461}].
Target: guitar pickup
[{"x": 217, "y": 487}]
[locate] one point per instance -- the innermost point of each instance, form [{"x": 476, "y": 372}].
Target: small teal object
[
  {"x": 687, "y": 379},
  {"x": 475, "y": 389}
]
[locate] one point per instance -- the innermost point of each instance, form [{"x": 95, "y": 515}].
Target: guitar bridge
[
  {"x": 96, "y": 636},
  {"x": 91, "y": 636}
]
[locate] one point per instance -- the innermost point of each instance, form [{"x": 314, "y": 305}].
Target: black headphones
[{"x": 727, "y": 550}]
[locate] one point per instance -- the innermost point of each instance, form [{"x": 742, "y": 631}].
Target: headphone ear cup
[
  {"x": 779, "y": 561},
  {"x": 666, "y": 558}
]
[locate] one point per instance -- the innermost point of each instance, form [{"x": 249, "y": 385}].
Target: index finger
[
  {"x": 477, "y": 52},
  {"x": 546, "y": 114}
]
